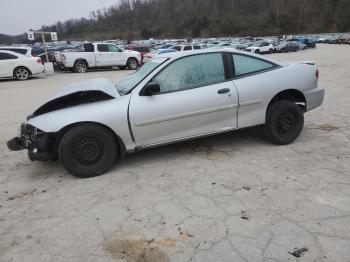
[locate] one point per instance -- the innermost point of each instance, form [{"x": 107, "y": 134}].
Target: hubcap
[
  {"x": 22, "y": 74},
  {"x": 286, "y": 122},
  {"x": 88, "y": 150}
]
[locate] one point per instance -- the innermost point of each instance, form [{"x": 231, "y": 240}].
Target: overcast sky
[{"x": 18, "y": 16}]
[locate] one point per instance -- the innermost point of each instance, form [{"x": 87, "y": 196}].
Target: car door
[
  {"x": 7, "y": 64},
  {"x": 103, "y": 56},
  {"x": 264, "y": 47},
  {"x": 256, "y": 83},
  {"x": 116, "y": 55},
  {"x": 195, "y": 99}
]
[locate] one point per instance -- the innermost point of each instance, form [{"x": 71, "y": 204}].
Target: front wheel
[
  {"x": 132, "y": 64},
  {"x": 271, "y": 51},
  {"x": 284, "y": 122},
  {"x": 257, "y": 51},
  {"x": 88, "y": 150}
]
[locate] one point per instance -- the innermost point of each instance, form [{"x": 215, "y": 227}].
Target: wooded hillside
[{"x": 142, "y": 19}]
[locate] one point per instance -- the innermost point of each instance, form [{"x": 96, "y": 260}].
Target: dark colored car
[
  {"x": 143, "y": 49},
  {"x": 310, "y": 43}
]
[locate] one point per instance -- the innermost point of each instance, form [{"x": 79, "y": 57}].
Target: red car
[{"x": 143, "y": 49}]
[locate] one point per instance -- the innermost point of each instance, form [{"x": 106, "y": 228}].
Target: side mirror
[{"x": 150, "y": 89}]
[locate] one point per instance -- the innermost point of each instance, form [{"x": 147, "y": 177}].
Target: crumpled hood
[
  {"x": 96, "y": 84},
  {"x": 83, "y": 92}
]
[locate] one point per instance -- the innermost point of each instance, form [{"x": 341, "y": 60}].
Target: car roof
[{"x": 179, "y": 54}]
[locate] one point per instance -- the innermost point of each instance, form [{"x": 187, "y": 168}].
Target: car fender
[{"x": 111, "y": 113}]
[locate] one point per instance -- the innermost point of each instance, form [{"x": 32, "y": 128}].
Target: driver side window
[
  {"x": 191, "y": 72},
  {"x": 113, "y": 48}
]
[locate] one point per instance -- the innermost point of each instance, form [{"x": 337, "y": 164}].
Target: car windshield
[{"x": 127, "y": 83}]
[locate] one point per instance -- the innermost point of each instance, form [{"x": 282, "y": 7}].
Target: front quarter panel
[{"x": 111, "y": 113}]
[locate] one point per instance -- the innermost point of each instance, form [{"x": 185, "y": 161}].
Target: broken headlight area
[{"x": 38, "y": 143}]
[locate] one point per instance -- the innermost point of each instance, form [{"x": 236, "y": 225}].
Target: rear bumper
[
  {"x": 38, "y": 70},
  {"x": 314, "y": 98}
]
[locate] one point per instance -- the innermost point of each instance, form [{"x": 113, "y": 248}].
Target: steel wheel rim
[
  {"x": 286, "y": 123},
  {"x": 22, "y": 74},
  {"x": 88, "y": 150}
]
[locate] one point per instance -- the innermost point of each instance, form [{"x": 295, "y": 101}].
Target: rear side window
[
  {"x": 177, "y": 48},
  {"x": 5, "y": 56},
  {"x": 20, "y": 51},
  {"x": 191, "y": 72},
  {"x": 245, "y": 65},
  {"x": 16, "y": 50},
  {"x": 89, "y": 48},
  {"x": 188, "y": 47},
  {"x": 102, "y": 48},
  {"x": 195, "y": 47}
]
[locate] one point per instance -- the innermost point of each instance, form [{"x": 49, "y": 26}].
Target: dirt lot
[{"x": 231, "y": 197}]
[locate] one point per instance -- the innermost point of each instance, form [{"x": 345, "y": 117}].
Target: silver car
[{"x": 174, "y": 97}]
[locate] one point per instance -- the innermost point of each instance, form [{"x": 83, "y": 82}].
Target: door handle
[{"x": 224, "y": 91}]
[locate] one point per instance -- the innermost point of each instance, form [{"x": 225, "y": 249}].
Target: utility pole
[
  {"x": 53, "y": 38},
  {"x": 45, "y": 48}
]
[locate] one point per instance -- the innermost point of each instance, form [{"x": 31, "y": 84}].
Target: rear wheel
[
  {"x": 80, "y": 67},
  {"x": 22, "y": 73},
  {"x": 88, "y": 150},
  {"x": 132, "y": 64},
  {"x": 271, "y": 51},
  {"x": 284, "y": 122},
  {"x": 257, "y": 51}
]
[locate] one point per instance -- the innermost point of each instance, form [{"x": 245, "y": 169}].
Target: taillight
[
  {"x": 39, "y": 61},
  {"x": 317, "y": 73}
]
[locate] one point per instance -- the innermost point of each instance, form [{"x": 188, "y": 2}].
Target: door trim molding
[
  {"x": 252, "y": 102},
  {"x": 185, "y": 115}
]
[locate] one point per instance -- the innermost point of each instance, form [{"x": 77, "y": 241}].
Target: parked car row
[
  {"x": 82, "y": 56},
  {"x": 335, "y": 39}
]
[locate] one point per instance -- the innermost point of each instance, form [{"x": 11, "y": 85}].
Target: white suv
[{"x": 260, "y": 48}]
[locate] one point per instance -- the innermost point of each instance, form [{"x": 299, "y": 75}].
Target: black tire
[
  {"x": 22, "y": 73},
  {"x": 88, "y": 150},
  {"x": 257, "y": 51},
  {"x": 132, "y": 64},
  {"x": 284, "y": 122},
  {"x": 80, "y": 66},
  {"x": 270, "y": 51}
]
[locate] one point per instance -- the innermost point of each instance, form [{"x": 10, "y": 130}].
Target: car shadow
[{"x": 234, "y": 139}]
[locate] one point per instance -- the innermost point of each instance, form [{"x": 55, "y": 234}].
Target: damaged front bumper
[{"x": 39, "y": 144}]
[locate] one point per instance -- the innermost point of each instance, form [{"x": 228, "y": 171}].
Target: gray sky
[{"x": 18, "y": 16}]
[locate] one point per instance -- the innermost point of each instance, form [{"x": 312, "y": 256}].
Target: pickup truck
[{"x": 98, "y": 55}]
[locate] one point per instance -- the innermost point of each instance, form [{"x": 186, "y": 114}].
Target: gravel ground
[{"x": 231, "y": 197}]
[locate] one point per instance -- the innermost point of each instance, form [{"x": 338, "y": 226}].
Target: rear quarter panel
[
  {"x": 71, "y": 57},
  {"x": 257, "y": 91}
]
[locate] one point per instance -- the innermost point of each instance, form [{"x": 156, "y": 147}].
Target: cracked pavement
[{"x": 230, "y": 197}]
